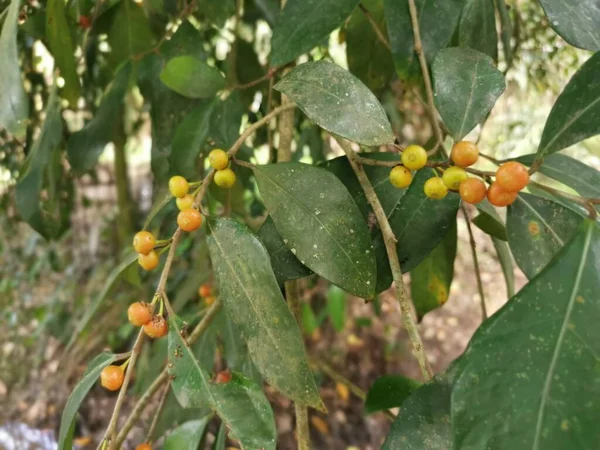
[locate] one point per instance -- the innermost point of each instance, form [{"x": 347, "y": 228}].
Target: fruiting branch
[{"x": 484, "y": 314}]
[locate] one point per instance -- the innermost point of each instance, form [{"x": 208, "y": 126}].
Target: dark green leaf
[
  {"x": 187, "y": 436},
  {"x": 537, "y": 229},
  {"x": 254, "y": 302},
  {"x": 86, "y": 145},
  {"x": 529, "y": 378},
  {"x": 320, "y": 224},
  {"x": 336, "y": 307},
  {"x": 477, "y": 28},
  {"x": 489, "y": 221},
  {"x": 467, "y": 84},
  {"x": 431, "y": 279},
  {"x": 69, "y": 414},
  {"x": 192, "y": 77},
  {"x": 217, "y": 11},
  {"x": 226, "y": 120},
  {"x": 506, "y": 31},
  {"x": 303, "y": 24},
  {"x": 14, "y": 104},
  {"x": 576, "y": 114},
  {"x": 389, "y": 391},
  {"x": 129, "y": 32},
  {"x": 337, "y": 101},
  {"x": 576, "y": 22},
  {"x": 506, "y": 263},
  {"x": 309, "y": 320}
]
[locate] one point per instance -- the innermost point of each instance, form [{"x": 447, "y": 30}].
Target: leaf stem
[{"x": 484, "y": 314}]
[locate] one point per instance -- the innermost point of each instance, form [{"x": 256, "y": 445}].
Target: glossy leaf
[
  {"x": 506, "y": 264},
  {"x": 254, "y": 302},
  {"x": 389, "y": 391},
  {"x": 337, "y": 101},
  {"x": 320, "y": 223},
  {"x": 506, "y": 31},
  {"x": 575, "y": 115},
  {"x": 467, "y": 84},
  {"x": 431, "y": 279},
  {"x": 477, "y": 28},
  {"x": 537, "y": 230},
  {"x": 576, "y": 22},
  {"x": 14, "y": 104},
  {"x": 529, "y": 378},
  {"x": 188, "y": 435},
  {"x": 67, "y": 421},
  {"x": 336, "y": 307},
  {"x": 129, "y": 33},
  {"x": 304, "y": 24},
  {"x": 86, "y": 145},
  {"x": 192, "y": 77}
]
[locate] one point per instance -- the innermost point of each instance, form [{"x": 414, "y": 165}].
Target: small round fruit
[
  {"x": 453, "y": 176},
  {"x": 85, "y": 22},
  {"x": 156, "y": 328},
  {"x": 209, "y": 300},
  {"x": 218, "y": 159},
  {"x": 465, "y": 154},
  {"x": 414, "y": 157},
  {"x": 185, "y": 202},
  {"x": 223, "y": 377},
  {"x": 512, "y": 176},
  {"x": 225, "y": 178},
  {"x": 149, "y": 261},
  {"x": 178, "y": 186},
  {"x": 144, "y": 446},
  {"x": 111, "y": 377},
  {"x": 498, "y": 196},
  {"x": 189, "y": 219},
  {"x": 435, "y": 188},
  {"x": 144, "y": 242},
  {"x": 400, "y": 177},
  {"x": 139, "y": 313},
  {"x": 204, "y": 290},
  {"x": 472, "y": 190}
]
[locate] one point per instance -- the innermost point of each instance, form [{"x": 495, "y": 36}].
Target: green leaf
[
  {"x": 367, "y": 57},
  {"x": 86, "y": 145},
  {"x": 467, "y": 84},
  {"x": 537, "y": 229},
  {"x": 506, "y": 31},
  {"x": 529, "y": 378},
  {"x": 336, "y": 307},
  {"x": 221, "y": 440},
  {"x": 254, "y": 302},
  {"x": 576, "y": 22},
  {"x": 320, "y": 224},
  {"x": 192, "y": 77},
  {"x": 337, "y": 101},
  {"x": 431, "y": 279},
  {"x": 217, "y": 11},
  {"x": 309, "y": 320},
  {"x": 14, "y": 103},
  {"x": 303, "y": 24},
  {"x": 226, "y": 120},
  {"x": 129, "y": 33},
  {"x": 67, "y": 421},
  {"x": 506, "y": 263},
  {"x": 437, "y": 23},
  {"x": 188, "y": 435},
  {"x": 489, "y": 221},
  {"x": 61, "y": 46},
  {"x": 574, "y": 116},
  {"x": 389, "y": 391},
  {"x": 477, "y": 28}
]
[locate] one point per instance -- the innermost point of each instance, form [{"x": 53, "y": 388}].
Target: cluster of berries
[
  {"x": 205, "y": 292},
  {"x": 219, "y": 160},
  {"x": 510, "y": 177}
]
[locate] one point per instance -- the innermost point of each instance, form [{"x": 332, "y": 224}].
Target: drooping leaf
[
  {"x": 506, "y": 31},
  {"x": 431, "y": 279},
  {"x": 309, "y": 320},
  {"x": 489, "y": 221},
  {"x": 192, "y": 77},
  {"x": 576, "y": 22},
  {"x": 129, "y": 33},
  {"x": 336, "y": 307},
  {"x": 467, "y": 84},
  {"x": 389, "y": 391},
  {"x": 14, "y": 104},
  {"x": 188, "y": 435},
  {"x": 304, "y": 24},
  {"x": 67, "y": 421},
  {"x": 537, "y": 230},
  {"x": 529, "y": 378},
  {"x": 320, "y": 223},
  {"x": 86, "y": 145},
  {"x": 506, "y": 263},
  {"x": 217, "y": 11},
  {"x": 254, "y": 302},
  {"x": 477, "y": 28},
  {"x": 337, "y": 101},
  {"x": 574, "y": 116}
]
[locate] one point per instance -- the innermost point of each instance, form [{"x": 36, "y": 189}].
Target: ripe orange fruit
[
  {"x": 112, "y": 377},
  {"x": 472, "y": 190},
  {"x": 157, "y": 327},
  {"x": 225, "y": 178},
  {"x": 512, "y": 176},
  {"x": 144, "y": 446},
  {"x": 218, "y": 159},
  {"x": 414, "y": 157},
  {"x": 498, "y": 196},
  {"x": 435, "y": 188},
  {"x": 178, "y": 186},
  {"x": 209, "y": 300},
  {"x": 185, "y": 202},
  {"x": 223, "y": 377},
  {"x": 139, "y": 313},
  {"x": 464, "y": 153},
  {"x": 400, "y": 177},
  {"x": 144, "y": 242},
  {"x": 205, "y": 290},
  {"x": 149, "y": 261},
  {"x": 189, "y": 219}
]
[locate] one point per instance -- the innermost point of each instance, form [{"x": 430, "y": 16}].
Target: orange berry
[
  {"x": 465, "y": 154},
  {"x": 225, "y": 178},
  {"x": 185, "y": 202},
  {"x": 205, "y": 290},
  {"x": 144, "y": 242},
  {"x": 178, "y": 186},
  {"x": 497, "y": 196},
  {"x": 435, "y": 188},
  {"x": 149, "y": 261},
  {"x": 223, "y": 377},
  {"x": 85, "y": 22},
  {"x": 189, "y": 219},
  {"x": 512, "y": 176},
  {"x": 157, "y": 327},
  {"x": 144, "y": 446},
  {"x": 111, "y": 377},
  {"x": 218, "y": 159},
  {"x": 209, "y": 300},
  {"x": 140, "y": 313},
  {"x": 472, "y": 190},
  {"x": 400, "y": 177}
]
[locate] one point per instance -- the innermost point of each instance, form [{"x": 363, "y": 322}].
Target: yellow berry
[
  {"x": 414, "y": 157},
  {"x": 435, "y": 188},
  {"x": 464, "y": 153},
  {"x": 178, "y": 186},
  {"x": 453, "y": 176},
  {"x": 218, "y": 159},
  {"x": 149, "y": 261},
  {"x": 225, "y": 178},
  {"x": 144, "y": 242},
  {"x": 400, "y": 177},
  {"x": 185, "y": 202}
]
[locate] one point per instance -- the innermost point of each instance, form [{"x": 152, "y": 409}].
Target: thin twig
[
  {"x": 159, "y": 408},
  {"x": 383, "y": 163},
  {"x": 484, "y": 314},
  {"x": 378, "y": 32}
]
